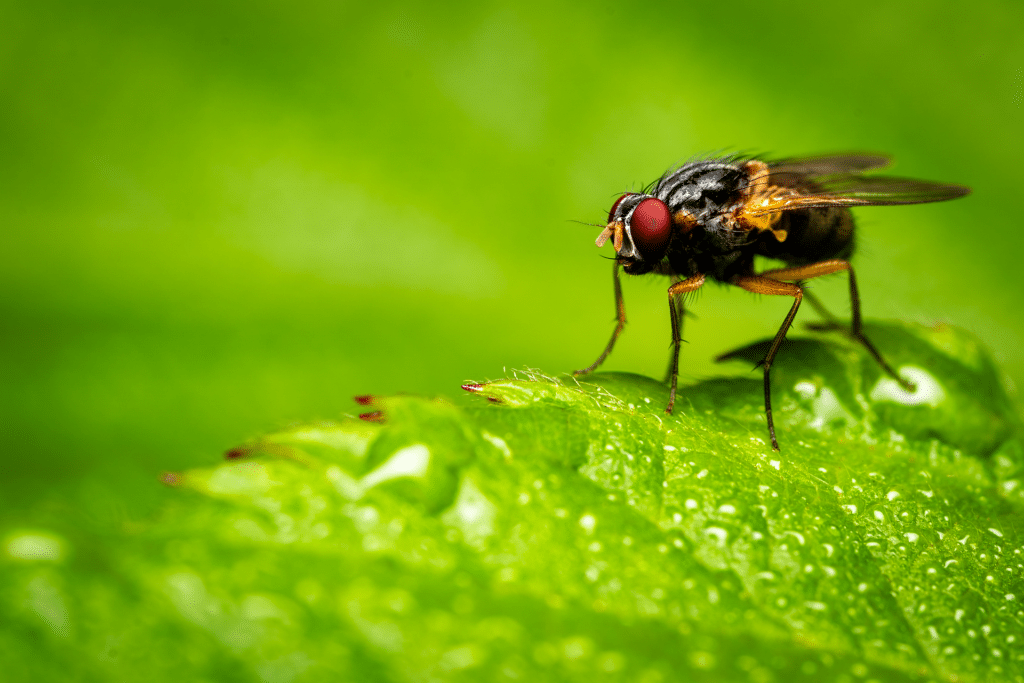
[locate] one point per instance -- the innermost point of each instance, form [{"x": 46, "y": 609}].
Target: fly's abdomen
[{"x": 811, "y": 235}]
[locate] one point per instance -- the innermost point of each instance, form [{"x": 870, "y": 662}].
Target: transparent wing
[
  {"x": 837, "y": 181},
  {"x": 831, "y": 164}
]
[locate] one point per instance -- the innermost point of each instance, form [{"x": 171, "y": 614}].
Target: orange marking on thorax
[
  {"x": 685, "y": 220},
  {"x": 762, "y": 203}
]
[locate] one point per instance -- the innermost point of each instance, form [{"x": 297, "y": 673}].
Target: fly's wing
[
  {"x": 837, "y": 181},
  {"x": 832, "y": 164}
]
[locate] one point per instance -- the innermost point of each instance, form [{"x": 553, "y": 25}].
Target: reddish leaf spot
[{"x": 171, "y": 478}]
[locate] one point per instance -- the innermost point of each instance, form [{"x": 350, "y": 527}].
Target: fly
[{"x": 710, "y": 218}]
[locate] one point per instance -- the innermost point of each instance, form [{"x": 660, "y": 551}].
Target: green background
[{"x": 219, "y": 219}]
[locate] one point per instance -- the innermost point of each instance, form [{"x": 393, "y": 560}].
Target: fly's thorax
[{"x": 703, "y": 188}]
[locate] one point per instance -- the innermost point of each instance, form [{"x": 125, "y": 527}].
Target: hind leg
[{"x": 827, "y": 268}]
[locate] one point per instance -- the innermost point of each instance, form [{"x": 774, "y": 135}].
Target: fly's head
[{"x": 640, "y": 227}]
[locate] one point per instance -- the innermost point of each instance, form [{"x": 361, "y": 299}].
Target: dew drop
[{"x": 719, "y": 533}]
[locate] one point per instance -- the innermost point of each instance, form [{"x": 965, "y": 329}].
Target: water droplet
[
  {"x": 795, "y": 534},
  {"x": 852, "y": 509},
  {"x": 498, "y": 443},
  {"x": 727, "y": 509},
  {"x": 702, "y": 474},
  {"x": 997, "y": 532},
  {"x": 611, "y": 662},
  {"x": 577, "y": 647},
  {"x": 719, "y": 533},
  {"x": 411, "y": 461},
  {"x": 775, "y": 463},
  {"x": 691, "y": 504},
  {"x": 879, "y": 516},
  {"x": 927, "y": 389},
  {"x": 892, "y": 495},
  {"x": 588, "y": 522},
  {"x": 34, "y": 546}
]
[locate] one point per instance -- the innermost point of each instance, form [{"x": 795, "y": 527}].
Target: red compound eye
[
  {"x": 611, "y": 214},
  {"x": 651, "y": 226}
]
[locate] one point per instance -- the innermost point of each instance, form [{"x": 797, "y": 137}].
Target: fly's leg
[
  {"x": 759, "y": 284},
  {"x": 674, "y": 292},
  {"x": 620, "y": 312},
  {"x": 681, "y": 312},
  {"x": 827, "y": 268}
]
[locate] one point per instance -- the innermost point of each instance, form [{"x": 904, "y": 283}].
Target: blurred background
[{"x": 217, "y": 219}]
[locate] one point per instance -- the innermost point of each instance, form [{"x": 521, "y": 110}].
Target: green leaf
[{"x": 554, "y": 529}]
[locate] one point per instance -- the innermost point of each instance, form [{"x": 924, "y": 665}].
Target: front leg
[
  {"x": 620, "y": 312},
  {"x": 676, "y": 290}
]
